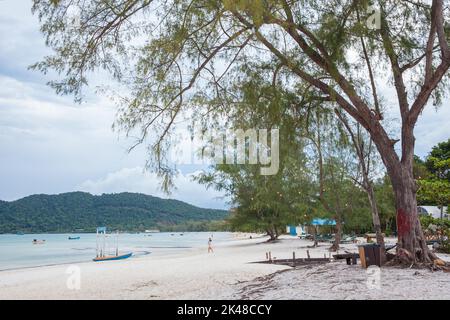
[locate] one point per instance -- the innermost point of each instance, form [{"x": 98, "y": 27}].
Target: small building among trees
[{"x": 434, "y": 211}]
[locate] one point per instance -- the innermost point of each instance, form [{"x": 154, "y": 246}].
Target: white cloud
[
  {"x": 433, "y": 127},
  {"x": 138, "y": 180},
  {"x": 48, "y": 144},
  {"x": 51, "y": 145}
]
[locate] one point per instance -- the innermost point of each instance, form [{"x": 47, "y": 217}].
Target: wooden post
[
  {"x": 267, "y": 256},
  {"x": 307, "y": 253},
  {"x": 293, "y": 258},
  {"x": 362, "y": 257},
  {"x": 270, "y": 256},
  {"x": 315, "y": 236}
]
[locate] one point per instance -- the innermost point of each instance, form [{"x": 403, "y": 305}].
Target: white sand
[
  {"x": 227, "y": 273},
  {"x": 337, "y": 280}
]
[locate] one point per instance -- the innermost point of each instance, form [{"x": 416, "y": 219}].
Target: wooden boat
[
  {"x": 109, "y": 258},
  {"x": 101, "y": 250},
  {"x": 74, "y": 238},
  {"x": 35, "y": 241}
]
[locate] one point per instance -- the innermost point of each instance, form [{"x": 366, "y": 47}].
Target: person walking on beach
[{"x": 210, "y": 249}]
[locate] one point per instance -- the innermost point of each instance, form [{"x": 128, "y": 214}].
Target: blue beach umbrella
[{"x": 323, "y": 222}]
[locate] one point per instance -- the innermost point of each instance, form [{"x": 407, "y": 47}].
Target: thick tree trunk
[{"x": 412, "y": 246}]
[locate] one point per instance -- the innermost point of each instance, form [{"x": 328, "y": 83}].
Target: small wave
[
  {"x": 163, "y": 247},
  {"x": 141, "y": 253}
]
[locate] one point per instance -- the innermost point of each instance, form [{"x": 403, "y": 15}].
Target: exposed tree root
[
  {"x": 334, "y": 248},
  {"x": 418, "y": 261}
]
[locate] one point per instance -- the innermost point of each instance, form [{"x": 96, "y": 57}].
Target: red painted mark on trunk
[{"x": 403, "y": 223}]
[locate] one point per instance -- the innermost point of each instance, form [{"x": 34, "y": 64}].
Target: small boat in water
[
  {"x": 109, "y": 258},
  {"x": 74, "y": 238},
  {"x": 101, "y": 250},
  {"x": 36, "y": 241}
]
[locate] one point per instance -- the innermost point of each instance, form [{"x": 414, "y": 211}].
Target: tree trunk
[
  {"x": 412, "y": 246},
  {"x": 272, "y": 234},
  {"x": 337, "y": 237},
  {"x": 276, "y": 232},
  {"x": 358, "y": 143},
  {"x": 376, "y": 220}
]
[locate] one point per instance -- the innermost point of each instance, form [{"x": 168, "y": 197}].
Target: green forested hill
[{"x": 125, "y": 211}]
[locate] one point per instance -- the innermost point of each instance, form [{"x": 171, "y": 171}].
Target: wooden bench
[
  {"x": 370, "y": 236},
  {"x": 351, "y": 258}
]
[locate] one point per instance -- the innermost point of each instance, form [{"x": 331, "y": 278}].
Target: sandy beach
[{"x": 228, "y": 273}]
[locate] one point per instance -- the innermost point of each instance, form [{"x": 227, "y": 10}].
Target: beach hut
[
  {"x": 294, "y": 230},
  {"x": 434, "y": 211},
  {"x": 318, "y": 225}
]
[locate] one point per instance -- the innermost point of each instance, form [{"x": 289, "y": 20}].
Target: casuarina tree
[{"x": 178, "y": 55}]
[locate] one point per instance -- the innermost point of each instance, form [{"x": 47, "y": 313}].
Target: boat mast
[
  {"x": 104, "y": 244},
  {"x": 117, "y": 243},
  {"x": 100, "y": 247},
  {"x": 96, "y": 243}
]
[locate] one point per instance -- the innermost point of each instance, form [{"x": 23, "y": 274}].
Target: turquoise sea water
[{"x": 17, "y": 251}]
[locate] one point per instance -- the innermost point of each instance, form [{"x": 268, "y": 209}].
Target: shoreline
[
  {"x": 170, "y": 276},
  {"x": 228, "y": 273},
  {"x": 18, "y": 253},
  {"x": 43, "y": 266},
  {"x": 142, "y": 254}
]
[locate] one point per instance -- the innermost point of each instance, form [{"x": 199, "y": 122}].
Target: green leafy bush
[{"x": 437, "y": 230}]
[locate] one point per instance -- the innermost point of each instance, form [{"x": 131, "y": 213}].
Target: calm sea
[{"x": 17, "y": 251}]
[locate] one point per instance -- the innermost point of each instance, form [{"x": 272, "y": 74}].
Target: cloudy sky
[{"x": 48, "y": 144}]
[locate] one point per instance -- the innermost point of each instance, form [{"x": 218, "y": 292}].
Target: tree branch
[{"x": 397, "y": 73}]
